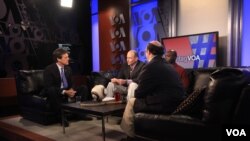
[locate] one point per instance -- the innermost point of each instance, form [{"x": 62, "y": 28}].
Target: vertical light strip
[
  {"x": 95, "y": 44},
  {"x": 245, "y": 57},
  {"x": 95, "y": 36},
  {"x": 173, "y": 17},
  {"x": 234, "y": 33}
]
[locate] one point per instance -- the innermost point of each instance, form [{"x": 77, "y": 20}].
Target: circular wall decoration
[
  {"x": 15, "y": 30},
  {"x": 38, "y": 34},
  {"x": 16, "y": 46},
  {"x": 147, "y": 16}
]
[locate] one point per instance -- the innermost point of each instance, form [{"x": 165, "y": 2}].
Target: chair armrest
[{"x": 167, "y": 127}]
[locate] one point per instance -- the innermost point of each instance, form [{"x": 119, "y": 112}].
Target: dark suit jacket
[
  {"x": 52, "y": 78},
  {"x": 160, "y": 89},
  {"x": 124, "y": 72}
]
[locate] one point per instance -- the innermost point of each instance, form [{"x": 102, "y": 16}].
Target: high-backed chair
[
  {"x": 224, "y": 101},
  {"x": 33, "y": 105}
]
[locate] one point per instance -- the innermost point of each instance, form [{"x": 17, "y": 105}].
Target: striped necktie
[{"x": 64, "y": 80}]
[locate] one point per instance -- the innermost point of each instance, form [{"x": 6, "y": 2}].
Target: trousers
[
  {"x": 127, "y": 124},
  {"x": 129, "y": 91}
]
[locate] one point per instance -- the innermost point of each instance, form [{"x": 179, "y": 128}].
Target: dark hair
[
  {"x": 155, "y": 49},
  {"x": 57, "y": 53}
]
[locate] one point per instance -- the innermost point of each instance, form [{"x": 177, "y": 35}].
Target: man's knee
[
  {"x": 110, "y": 85},
  {"x": 133, "y": 85},
  {"x": 97, "y": 92},
  {"x": 131, "y": 101},
  {"x": 109, "y": 89},
  {"x": 131, "y": 90}
]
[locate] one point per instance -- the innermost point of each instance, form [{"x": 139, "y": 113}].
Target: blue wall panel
[
  {"x": 95, "y": 36},
  {"x": 245, "y": 60},
  {"x": 143, "y": 26}
]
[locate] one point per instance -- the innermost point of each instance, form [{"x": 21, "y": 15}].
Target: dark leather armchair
[
  {"x": 100, "y": 78},
  {"x": 33, "y": 105},
  {"x": 32, "y": 99},
  {"x": 224, "y": 101}
]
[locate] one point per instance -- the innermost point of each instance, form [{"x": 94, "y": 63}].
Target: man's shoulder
[
  {"x": 50, "y": 66},
  {"x": 140, "y": 63},
  {"x": 178, "y": 66},
  {"x": 67, "y": 68},
  {"x": 124, "y": 66}
]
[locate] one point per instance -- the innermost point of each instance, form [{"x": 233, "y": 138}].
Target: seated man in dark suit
[
  {"x": 159, "y": 89},
  {"x": 58, "y": 82}
]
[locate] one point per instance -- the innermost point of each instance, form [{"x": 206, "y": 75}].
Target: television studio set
[{"x": 124, "y": 70}]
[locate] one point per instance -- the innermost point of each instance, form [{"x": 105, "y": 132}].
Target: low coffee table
[{"x": 101, "y": 110}]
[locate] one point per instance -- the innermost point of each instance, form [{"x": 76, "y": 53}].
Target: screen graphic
[{"x": 194, "y": 51}]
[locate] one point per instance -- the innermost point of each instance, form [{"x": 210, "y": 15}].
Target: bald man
[
  {"x": 171, "y": 56},
  {"x": 127, "y": 79},
  {"x": 159, "y": 90}
]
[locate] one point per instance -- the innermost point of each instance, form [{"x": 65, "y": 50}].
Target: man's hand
[
  {"x": 121, "y": 81},
  {"x": 71, "y": 92},
  {"x": 114, "y": 80},
  {"x": 118, "y": 81}
]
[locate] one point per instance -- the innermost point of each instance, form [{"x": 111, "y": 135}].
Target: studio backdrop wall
[{"x": 31, "y": 29}]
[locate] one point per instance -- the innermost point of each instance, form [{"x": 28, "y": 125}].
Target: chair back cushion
[
  {"x": 198, "y": 79},
  {"x": 222, "y": 95},
  {"x": 193, "y": 104},
  {"x": 100, "y": 78},
  {"x": 202, "y": 78},
  {"x": 29, "y": 81}
]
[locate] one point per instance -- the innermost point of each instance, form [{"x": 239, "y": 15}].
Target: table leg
[
  {"x": 103, "y": 128},
  {"x": 63, "y": 121}
]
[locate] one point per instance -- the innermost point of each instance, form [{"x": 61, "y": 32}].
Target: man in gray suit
[{"x": 127, "y": 79}]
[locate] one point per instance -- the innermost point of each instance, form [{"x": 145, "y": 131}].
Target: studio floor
[{"x": 18, "y": 128}]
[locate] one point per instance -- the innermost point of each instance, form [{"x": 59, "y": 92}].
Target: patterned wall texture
[
  {"x": 31, "y": 29},
  {"x": 204, "y": 47},
  {"x": 113, "y": 33},
  {"x": 150, "y": 21}
]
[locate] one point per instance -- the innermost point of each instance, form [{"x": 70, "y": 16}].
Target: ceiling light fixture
[{"x": 66, "y": 3}]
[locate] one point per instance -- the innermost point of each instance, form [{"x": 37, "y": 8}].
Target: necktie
[
  {"x": 131, "y": 70},
  {"x": 64, "y": 80}
]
